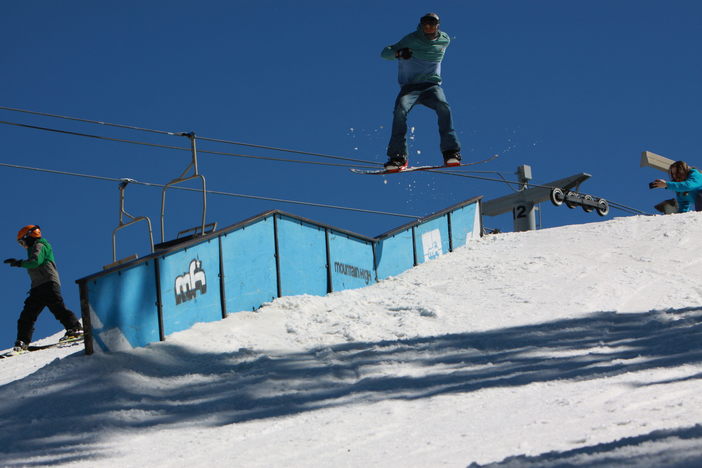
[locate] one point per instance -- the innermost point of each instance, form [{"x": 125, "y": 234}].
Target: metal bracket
[
  {"x": 585, "y": 201},
  {"x": 183, "y": 178},
  {"x": 134, "y": 219}
]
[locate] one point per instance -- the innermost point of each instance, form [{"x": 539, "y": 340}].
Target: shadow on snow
[
  {"x": 61, "y": 410},
  {"x": 670, "y": 448}
]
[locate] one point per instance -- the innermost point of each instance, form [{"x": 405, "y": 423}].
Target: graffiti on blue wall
[{"x": 189, "y": 283}]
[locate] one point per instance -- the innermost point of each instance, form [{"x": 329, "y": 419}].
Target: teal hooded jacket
[
  {"x": 425, "y": 64},
  {"x": 686, "y": 192}
]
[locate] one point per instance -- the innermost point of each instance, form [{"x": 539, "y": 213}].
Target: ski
[
  {"x": 13, "y": 353},
  {"x": 419, "y": 168},
  {"x": 31, "y": 348},
  {"x": 60, "y": 344}
]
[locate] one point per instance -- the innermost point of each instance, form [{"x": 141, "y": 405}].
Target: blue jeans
[{"x": 432, "y": 96}]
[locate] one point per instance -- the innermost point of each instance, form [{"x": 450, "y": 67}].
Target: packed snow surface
[{"x": 575, "y": 346}]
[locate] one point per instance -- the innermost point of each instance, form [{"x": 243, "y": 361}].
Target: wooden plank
[{"x": 656, "y": 161}]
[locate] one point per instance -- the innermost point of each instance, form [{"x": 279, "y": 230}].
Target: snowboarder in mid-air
[
  {"x": 45, "y": 290},
  {"x": 420, "y": 54}
]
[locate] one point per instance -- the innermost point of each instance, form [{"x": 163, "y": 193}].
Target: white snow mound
[{"x": 578, "y": 346}]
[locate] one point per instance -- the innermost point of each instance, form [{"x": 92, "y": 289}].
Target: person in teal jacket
[
  {"x": 45, "y": 289},
  {"x": 686, "y": 182},
  {"x": 419, "y": 56}
]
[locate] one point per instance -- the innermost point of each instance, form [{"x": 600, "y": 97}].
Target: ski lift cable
[
  {"x": 179, "y": 148},
  {"x": 214, "y": 140},
  {"x": 463, "y": 174},
  {"x": 163, "y": 132},
  {"x": 131, "y": 127},
  {"x": 273, "y": 148},
  {"x": 78, "y": 119},
  {"x": 626, "y": 208},
  {"x": 499, "y": 174},
  {"x": 89, "y": 135},
  {"x": 213, "y": 192}
]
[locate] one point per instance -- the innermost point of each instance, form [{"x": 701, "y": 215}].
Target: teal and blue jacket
[
  {"x": 686, "y": 192},
  {"x": 425, "y": 64}
]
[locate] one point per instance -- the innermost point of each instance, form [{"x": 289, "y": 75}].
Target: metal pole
[
  {"x": 523, "y": 211},
  {"x": 524, "y": 217}
]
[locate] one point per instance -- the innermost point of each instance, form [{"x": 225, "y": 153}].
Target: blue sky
[{"x": 564, "y": 86}]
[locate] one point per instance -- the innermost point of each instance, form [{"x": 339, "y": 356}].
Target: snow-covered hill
[{"x": 580, "y": 345}]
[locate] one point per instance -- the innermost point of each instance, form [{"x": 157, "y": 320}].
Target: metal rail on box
[
  {"x": 195, "y": 175},
  {"x": 122, "y": 224},
  {"x": 187, "y": 235}
]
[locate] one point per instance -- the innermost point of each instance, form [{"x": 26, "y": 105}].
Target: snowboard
[
  {"x": 60, "y": 344},
  {"x": 419, "y": 168}
]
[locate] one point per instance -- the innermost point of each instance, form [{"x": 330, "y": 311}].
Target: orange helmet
[{"x": 30, "y": 230}]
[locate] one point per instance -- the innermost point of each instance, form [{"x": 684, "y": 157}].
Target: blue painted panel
[
  {"x": 249, "y": 266},
  {"x": 123, "y": 310},
  {"x": 463, "y": 225},
  {"x": 394, "y": 254},
  {"x": 190, "y": 286},
  {"x": 351, "y": 262},
  {"x": 432, "y": 239},
  {"x": 303, "y": 257}
]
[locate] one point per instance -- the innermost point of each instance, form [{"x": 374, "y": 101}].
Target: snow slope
[{"x": 577, "y": 346}]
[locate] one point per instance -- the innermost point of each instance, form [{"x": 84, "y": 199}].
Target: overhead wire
[
  {"x": 214, "y": 192},
  {"x": 272, "y": 148},
  {"x": 89, "y": 135},
  {"x": 197, "y": 137},
  {"x": 466, "y": 175},
  {"x": 179, "y": 148},
  {"x": 78, "y": 119},
  {"x": 499, "y": 174}
]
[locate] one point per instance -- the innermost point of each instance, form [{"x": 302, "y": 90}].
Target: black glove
[
  {"x": 405, "y": 53},
  {"x": 13, "y": 262}
]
